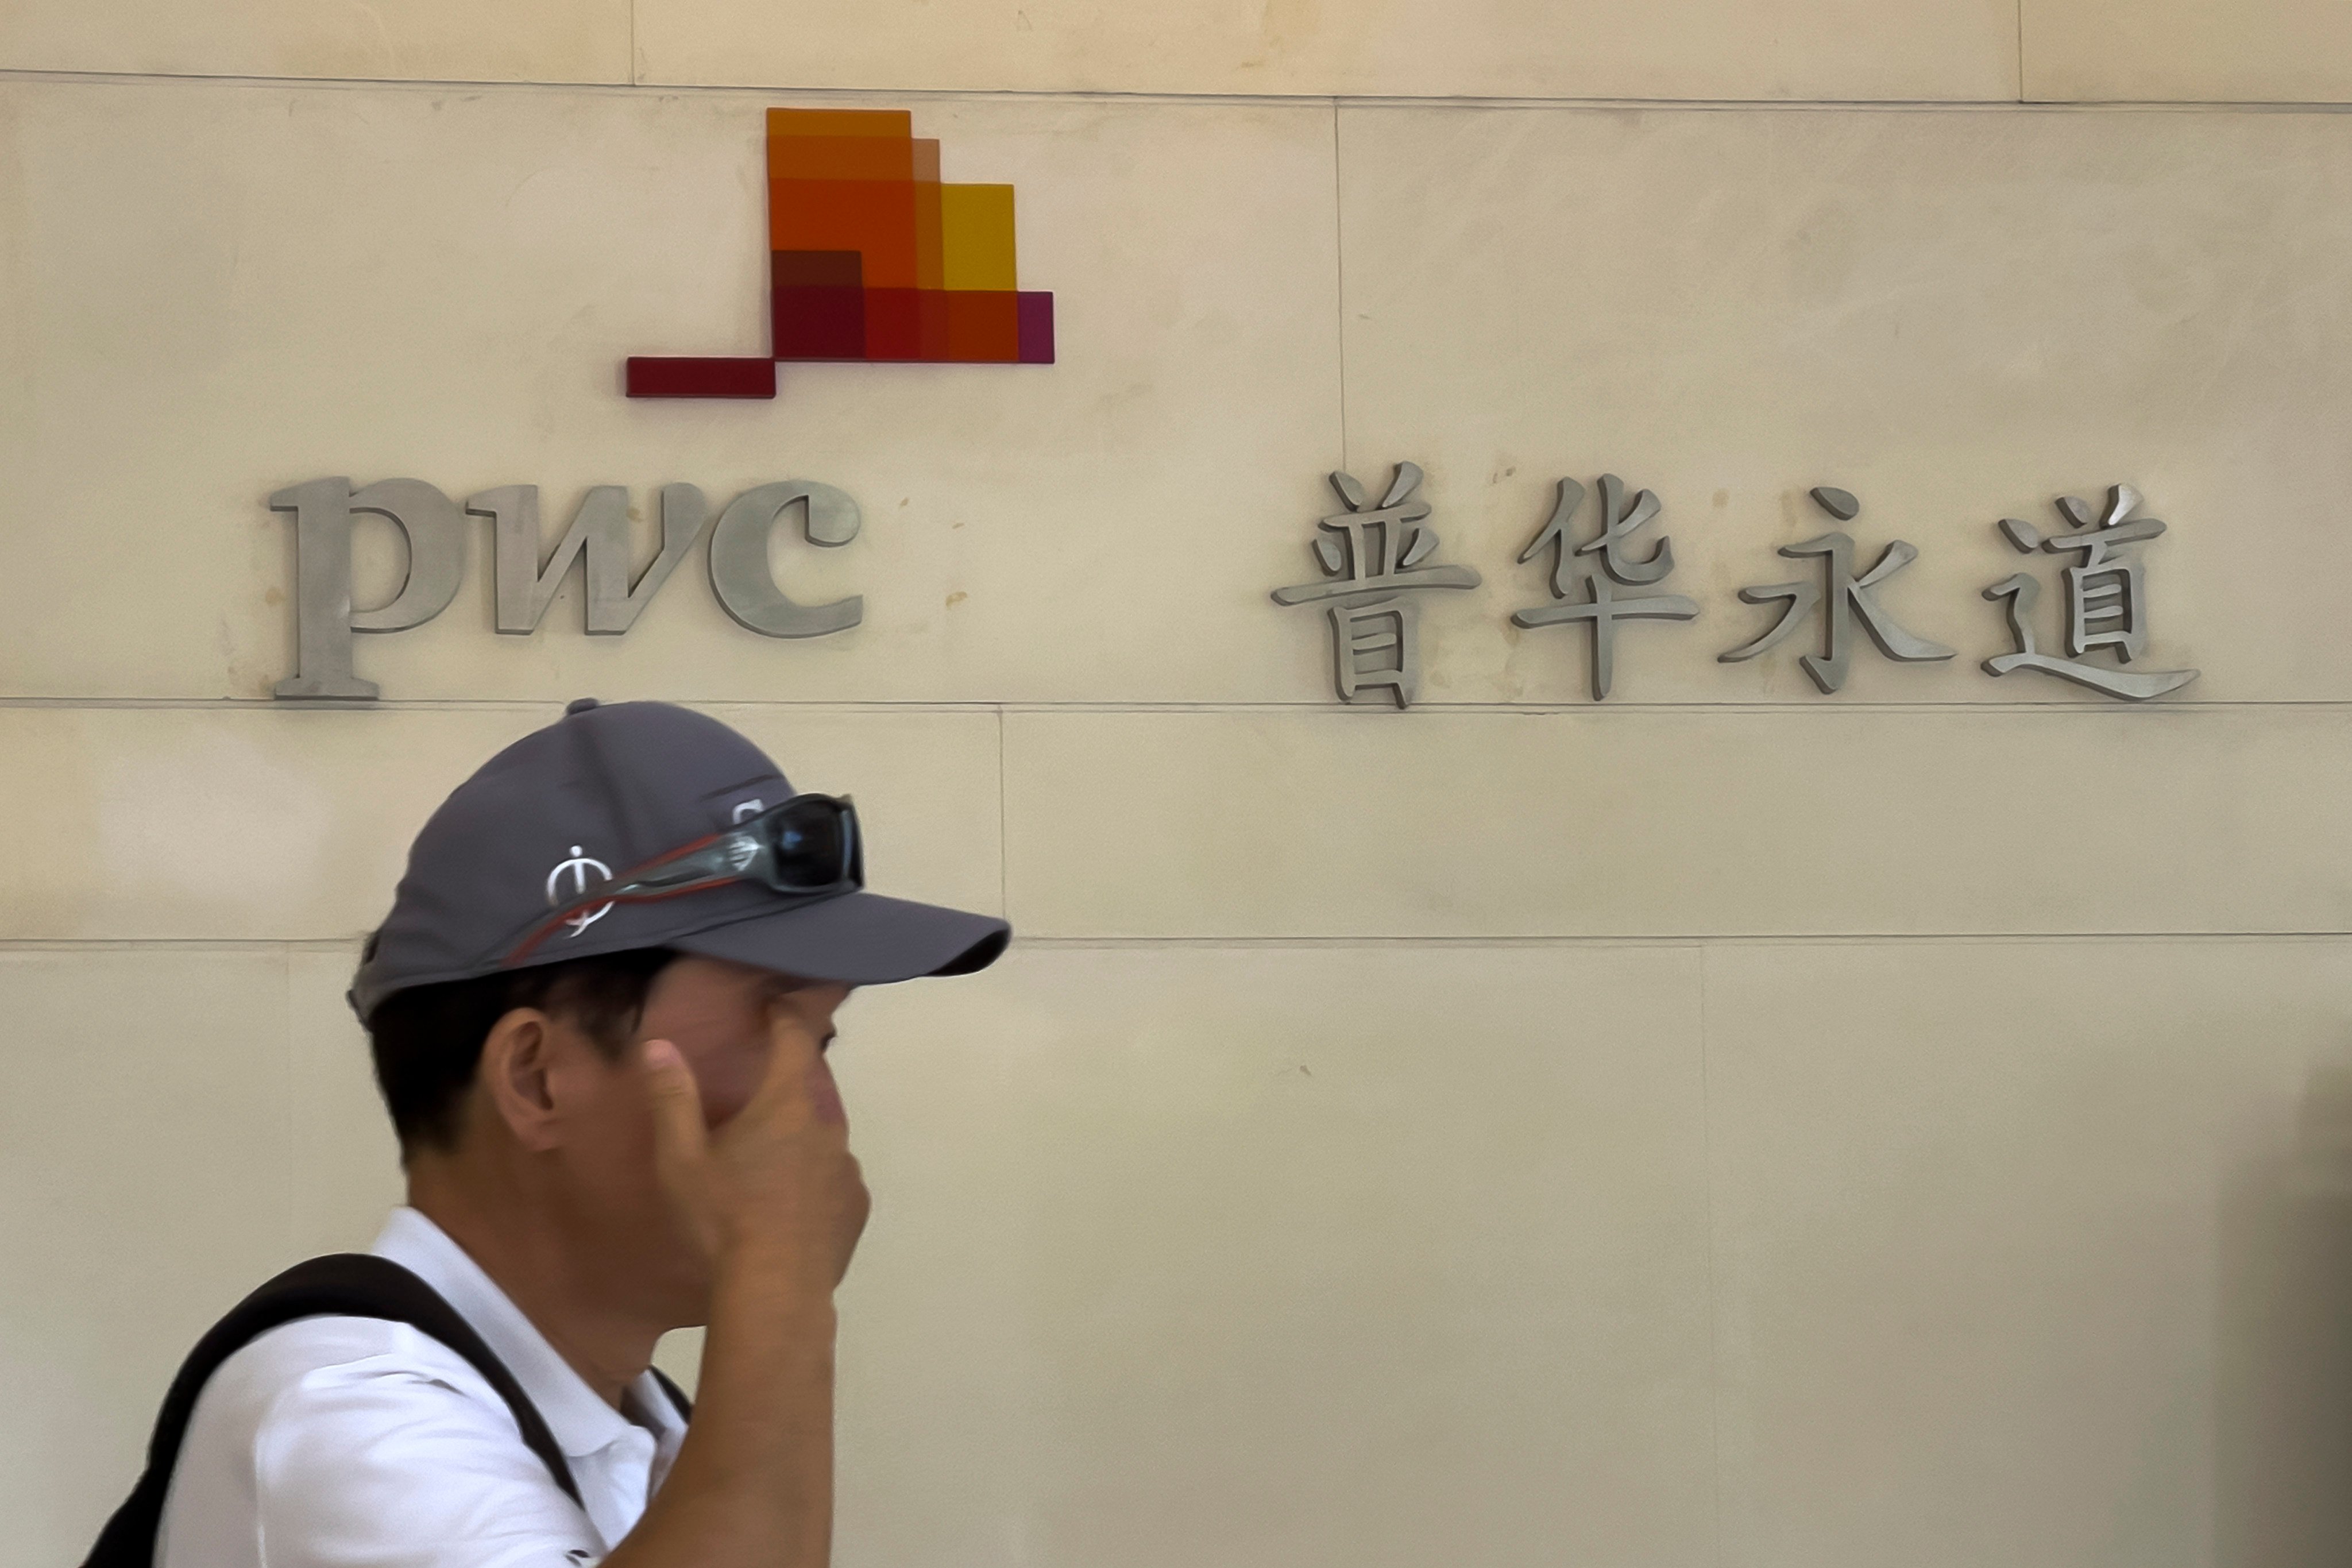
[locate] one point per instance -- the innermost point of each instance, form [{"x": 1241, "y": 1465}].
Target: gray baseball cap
[{"x": 606, "y": 788}]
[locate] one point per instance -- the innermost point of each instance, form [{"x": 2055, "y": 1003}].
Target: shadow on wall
[{"x": 2283, "y": 1402}]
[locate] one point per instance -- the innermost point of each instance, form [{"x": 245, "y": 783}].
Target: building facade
[{"x": 1751, "y": 1117}]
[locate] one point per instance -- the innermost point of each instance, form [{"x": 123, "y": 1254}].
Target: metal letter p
[{"x": 324, "y": 617}]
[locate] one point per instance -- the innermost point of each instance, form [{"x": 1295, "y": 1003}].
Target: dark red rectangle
[
  {"x": 819, "y": 323},
  {"x": 701, "y": 378},
  {"x": 894, "y": 324},
  {"x": 815, "y": 270}
]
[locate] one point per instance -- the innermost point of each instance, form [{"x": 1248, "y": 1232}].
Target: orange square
[
  {"x": 874, "y": 217},
  {"x": 840, "y": 158},
  {"x": 983, "y": 326},
  {"x": 898, "y": 122}
]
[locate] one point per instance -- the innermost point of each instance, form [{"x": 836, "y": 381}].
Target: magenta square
[{"x": 1035, "y": 315}]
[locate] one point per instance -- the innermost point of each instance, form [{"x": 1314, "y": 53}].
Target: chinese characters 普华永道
[{"x": 1376, "y": 558}]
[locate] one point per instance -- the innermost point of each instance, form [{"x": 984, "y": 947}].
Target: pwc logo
[
  {"x": 872, "y": 257},
  {"x": 432, "y": 530}
]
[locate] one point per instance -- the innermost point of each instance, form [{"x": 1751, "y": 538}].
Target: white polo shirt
[{"x": 357, "y": 1443}]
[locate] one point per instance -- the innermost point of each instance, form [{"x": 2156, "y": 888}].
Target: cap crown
[{"x": 602, "y": 790}]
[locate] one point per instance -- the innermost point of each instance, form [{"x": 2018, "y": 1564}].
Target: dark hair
[{"x": 427, "y": 1040}]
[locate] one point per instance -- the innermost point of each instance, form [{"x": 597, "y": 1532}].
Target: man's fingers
[
  {"x": 679, "y": 1135},
  {"x": 796, "y": 1073}
]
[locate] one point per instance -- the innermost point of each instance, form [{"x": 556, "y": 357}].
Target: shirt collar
[{"x": 580, "y": 1423}]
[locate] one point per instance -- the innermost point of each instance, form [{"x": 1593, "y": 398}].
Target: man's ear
[{"x": 516, "y": 1076}]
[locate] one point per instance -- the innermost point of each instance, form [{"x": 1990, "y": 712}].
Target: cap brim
[{"x": 857, "y": 939}]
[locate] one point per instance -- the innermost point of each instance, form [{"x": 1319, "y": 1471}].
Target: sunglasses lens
[{"x": 811, "y": 841}]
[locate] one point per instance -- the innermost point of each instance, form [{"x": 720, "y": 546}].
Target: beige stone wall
[{"x": 1728, "y": 1125}]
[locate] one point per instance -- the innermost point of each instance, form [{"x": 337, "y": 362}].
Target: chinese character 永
[
  {"x": 2103, "y": 592},
  {"x": 1372, "y": 559},
  {"x": 1603, "y": 608},
  {"x": 1848, "y": 596}
]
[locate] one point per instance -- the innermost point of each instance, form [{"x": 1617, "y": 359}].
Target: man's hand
[
  {"x": 774, "y": 1189},
  {"x": 776, "y": 1201}
]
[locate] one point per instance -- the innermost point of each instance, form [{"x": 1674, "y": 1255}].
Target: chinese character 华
[
  {"x": 1603, "y": 608},
  {"x": 1848, "y": 597},
  {"x": 2104, "y": 593},
  {"x": 1372, "y": 558}
]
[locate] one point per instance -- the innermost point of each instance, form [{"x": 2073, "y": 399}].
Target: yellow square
[{"x": 976, "y": 237}]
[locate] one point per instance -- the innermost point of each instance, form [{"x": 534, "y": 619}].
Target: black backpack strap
[
  {"x": 677, "y": 1395},
  {"x": 345, "y": 1285}
]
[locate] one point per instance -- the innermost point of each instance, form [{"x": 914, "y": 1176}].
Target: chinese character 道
[{"x": 2104, "y": 598}]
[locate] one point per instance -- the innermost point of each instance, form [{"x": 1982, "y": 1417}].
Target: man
[{"x": 598, "y": 1013}]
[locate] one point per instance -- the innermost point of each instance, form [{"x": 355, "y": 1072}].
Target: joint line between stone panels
[
  {"x": 1003, "y": 814},
  {"x": 293, "y": 1082},
  {"x": 1876, "y": 105},
  {"x": 464, "y": 704},
  {"x": 1714, "y": 1298},
  {"x": 1340, "y": 278},
  {"x": 2115, "y": 712},
  {"x": 289, "y": 945},
  {"x": 2076, "y": 709},
  {"x": 1214, "y": 99},
  {"x": 242, "y": 78},
  {"x": 1296, "y": 943},
  {"x": 1673, "y": 939},
  {"x": 2021, "y": 50}
]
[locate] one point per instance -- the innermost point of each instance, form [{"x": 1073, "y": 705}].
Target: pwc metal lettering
[{"x": 432, "y": 529}]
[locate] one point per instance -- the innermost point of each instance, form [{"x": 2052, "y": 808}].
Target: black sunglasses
[{"x": 809, "y": 846}]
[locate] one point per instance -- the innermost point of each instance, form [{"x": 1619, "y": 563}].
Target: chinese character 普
[
  {"x": 1603, "y": 608},
  {"x": 1848, "y": 596},
  {"x": 2104, "y": 599},
  {"x": 1371, "y": 557}
]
